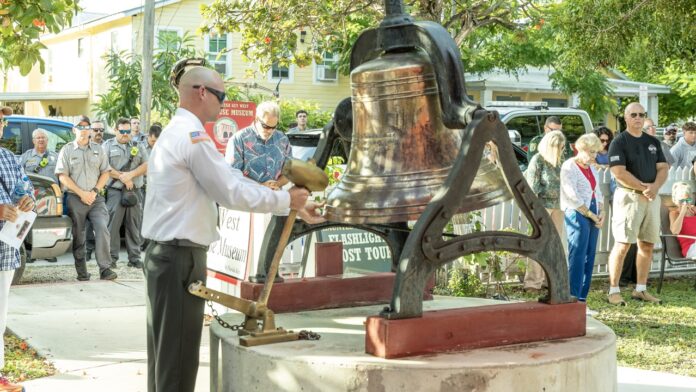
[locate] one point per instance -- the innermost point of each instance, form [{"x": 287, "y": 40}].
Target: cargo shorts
[{"x": 634, "y": 217}]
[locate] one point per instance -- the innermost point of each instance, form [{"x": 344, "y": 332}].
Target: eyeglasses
[
  {"x": 98, "y": 129},
  {"x": 266, "y": 126},
  {"x": 82, "y": 127},
  {"x": 688, "y": 200},
  {"x": 124, "y": 131},
  {"x": 671, "y": 132},
  {"x": 604, "y": 140},
  {"x": 641, "y": 115},
  {"x": 220, "y": 95}
]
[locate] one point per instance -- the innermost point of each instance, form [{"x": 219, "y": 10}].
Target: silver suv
[{"x": 527, "y": 119}]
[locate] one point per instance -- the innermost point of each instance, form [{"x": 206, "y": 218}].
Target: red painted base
[
  {"x": 468, "y": 328},
  {"x": 327, "y": 292}
]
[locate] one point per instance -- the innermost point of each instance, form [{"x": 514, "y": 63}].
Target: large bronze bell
[{"x": 401, "y": 152}]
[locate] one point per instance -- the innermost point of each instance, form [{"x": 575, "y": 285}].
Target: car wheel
[{"x": 20, "y": 271}]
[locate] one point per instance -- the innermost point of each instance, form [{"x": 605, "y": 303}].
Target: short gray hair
[
  {"x": 268, "y": 107},
  {"x": 588, "y": 142},
  {"x": 38, "y": 131}
]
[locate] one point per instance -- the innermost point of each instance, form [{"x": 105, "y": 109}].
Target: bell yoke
[{"x": 416, "y": 143}]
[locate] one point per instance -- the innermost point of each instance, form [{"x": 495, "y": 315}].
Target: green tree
[
  {"x": 125, "y": 78},
  {"x": 21, "y": 24}
]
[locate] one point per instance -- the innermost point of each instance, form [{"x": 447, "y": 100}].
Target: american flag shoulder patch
[{"x": 199, "y": 136}]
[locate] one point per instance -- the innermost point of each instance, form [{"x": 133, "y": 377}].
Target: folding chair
[{"x": 671, "y": 250}]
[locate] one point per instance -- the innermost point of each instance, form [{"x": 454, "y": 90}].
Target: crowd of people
[{"x": 639, "y": 164}]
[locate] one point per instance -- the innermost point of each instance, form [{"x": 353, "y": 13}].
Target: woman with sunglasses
[
  {"x": 605, "y": 136},
  {"x": 682, "y": 218}
]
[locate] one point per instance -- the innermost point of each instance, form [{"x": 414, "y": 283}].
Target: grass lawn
[
  {"x": 22, "y": 362},
  {"x": 653, "y": 337}
]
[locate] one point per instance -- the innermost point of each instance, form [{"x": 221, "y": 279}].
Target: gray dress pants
[
  {"x": 99, "y": 217},
  {"x": 131, "y": 217},
  {"x": 174, "y": 317}
]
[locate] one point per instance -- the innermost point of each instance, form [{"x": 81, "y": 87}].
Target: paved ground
[{"x": 94, "y": 332}]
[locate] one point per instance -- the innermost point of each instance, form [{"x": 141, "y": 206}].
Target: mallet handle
[{"x": 273, "y": 270}]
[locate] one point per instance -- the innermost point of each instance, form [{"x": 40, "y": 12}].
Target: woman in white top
[{"x": 581, "y": 201}]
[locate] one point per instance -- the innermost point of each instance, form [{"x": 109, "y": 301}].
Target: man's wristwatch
[{"x": 98, "y": 191}]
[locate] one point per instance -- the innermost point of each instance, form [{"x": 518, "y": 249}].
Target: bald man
[
  {"x": 638, "y": 164},
  {"x": 186, "y": 176}
]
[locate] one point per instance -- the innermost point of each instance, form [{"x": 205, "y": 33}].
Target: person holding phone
[{"x": 682, "y": 218}]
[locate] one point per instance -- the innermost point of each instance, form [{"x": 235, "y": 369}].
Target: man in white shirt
[{"x": 186, "y": 177}]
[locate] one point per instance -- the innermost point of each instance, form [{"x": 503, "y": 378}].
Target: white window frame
[
  {"x": 318, "y": 68},
  {"x": 179, "y": 31},
  {"x": 291, "y": 75},
  {"x": 227, "y": 58}
]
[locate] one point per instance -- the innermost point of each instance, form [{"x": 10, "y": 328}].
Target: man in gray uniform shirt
[
  {"x": 39, "y": 159},
  {"x": 128, "y": 165},
  {"x": 186, "y": 176},
  {"x": 83, "y": 169}
]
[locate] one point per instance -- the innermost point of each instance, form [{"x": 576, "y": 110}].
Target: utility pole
[{"x": 148, "y": 47}]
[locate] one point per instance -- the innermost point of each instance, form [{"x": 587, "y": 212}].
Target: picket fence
[{"x": 508, "y": 216}]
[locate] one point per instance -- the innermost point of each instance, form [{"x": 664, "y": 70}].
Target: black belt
[
  {"x": 637, "y": 192},
  {"x": 182, "y": 243}
]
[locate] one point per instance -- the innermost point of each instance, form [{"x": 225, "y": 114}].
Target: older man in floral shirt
[{"x": 260, "y": 150}]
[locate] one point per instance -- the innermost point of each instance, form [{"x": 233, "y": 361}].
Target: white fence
[{"x": 507, "y": 216}]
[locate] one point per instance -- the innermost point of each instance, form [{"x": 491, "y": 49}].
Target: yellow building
[{"x": 75, "y": 69}]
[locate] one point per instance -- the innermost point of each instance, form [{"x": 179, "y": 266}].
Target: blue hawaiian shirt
[
  {"x": 11, "y": 172},
  {"x": 258, "y": 159}
]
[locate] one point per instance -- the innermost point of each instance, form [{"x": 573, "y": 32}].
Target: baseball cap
[
  {"x": 82, "y": 119},
  {"x": 6, "y": 110},
  {"x": 672, "y": 128}
]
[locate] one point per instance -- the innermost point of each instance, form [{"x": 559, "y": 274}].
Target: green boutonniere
[{"x": 134, "y": 151}]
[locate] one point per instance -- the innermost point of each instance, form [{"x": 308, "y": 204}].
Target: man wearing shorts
[{"x": 640, "y": 169}]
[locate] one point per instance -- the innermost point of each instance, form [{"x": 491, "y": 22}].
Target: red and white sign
[{"x": 234, "y": 115}]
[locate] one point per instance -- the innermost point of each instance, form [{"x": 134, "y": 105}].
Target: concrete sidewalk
[{"x": 94, "y": 333}]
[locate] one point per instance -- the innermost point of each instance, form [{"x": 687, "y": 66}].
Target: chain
[
  {"x": 222, "y": 322},
  {"x": 308, "y": 335},
  {"x": 303, "y": 335}
]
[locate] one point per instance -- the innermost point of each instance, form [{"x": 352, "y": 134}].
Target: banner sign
[
  {"x": 234, "y": 115},
  {"x": 230, "y": 254},
  {"x": 362, "y": 251}
]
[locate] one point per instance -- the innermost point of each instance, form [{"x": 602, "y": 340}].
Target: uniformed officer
[
  {"x": 186, "y": 177},
  {"x": 128, "y": 165},
  {"x": 39, "y": 159},
  {"x": 83, "y": 169},
  {"x": 97, "y": 136},
  {"x": 137, "y": 136}
]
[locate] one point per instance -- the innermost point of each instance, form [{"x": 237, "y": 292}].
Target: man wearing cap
[
  {"x": 97, "y": 136},
  {"x": 670, "y": 135},
  {"x": 128, "y": 165},
  {"x": 186, "y": 178},
  {"x": 651, "y": 130},
  {"x": 83, "y": 168},
  {"x": 10, "y": 173}
]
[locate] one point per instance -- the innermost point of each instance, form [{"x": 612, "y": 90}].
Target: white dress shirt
[
  {"x": 187, "y": 175},
  {"x": 575, "y": 188}
]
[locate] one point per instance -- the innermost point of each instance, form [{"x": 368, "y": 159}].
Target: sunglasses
[
  {"x": 220, "y": 95},
  {"x": 266, "y": 126},
  {"x": 641, "y": 115},
  {"x": 604, "y": 140},
  {"x": 98, "y": 129},
  {"x": 124, "y": 131},
  {"x": 688, "y": 200},
  {"x": 671, "y": 132},
  {"x": 82, "y": 127}
]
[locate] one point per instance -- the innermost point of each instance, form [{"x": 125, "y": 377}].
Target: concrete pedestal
[{"x": 338, "y": 361}]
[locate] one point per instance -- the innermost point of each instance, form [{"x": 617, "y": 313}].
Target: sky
[{"x": 109, "y": 6}]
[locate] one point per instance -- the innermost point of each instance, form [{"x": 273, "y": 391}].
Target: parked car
[
  {"x": 51, "y": 234},
  {"x": 527, "y": 118}
]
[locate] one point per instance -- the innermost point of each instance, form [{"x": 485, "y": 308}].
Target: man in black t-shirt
[{"x": 639, "y": 166}]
